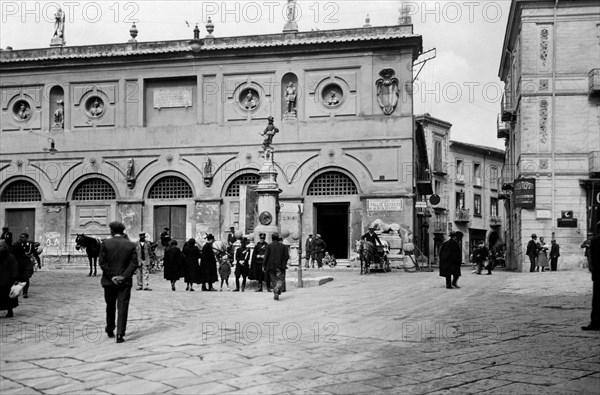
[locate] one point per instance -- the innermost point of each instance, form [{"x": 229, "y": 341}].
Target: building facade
[
  {"x": 465, "y": 180},
  {"x": 169, "y": 134},
  {"x": 550, "y": 119}
]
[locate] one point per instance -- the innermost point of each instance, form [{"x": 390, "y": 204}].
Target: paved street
[{"x": 509, "y": 333}]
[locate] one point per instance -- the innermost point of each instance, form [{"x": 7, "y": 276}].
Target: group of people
[
  {"x": 537, "y": 251},
  {"x": 17, "y": 264},
  {"x": 315, "y": 249}
]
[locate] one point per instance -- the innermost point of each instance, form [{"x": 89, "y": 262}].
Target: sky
[{"x": 460, "y": 85}]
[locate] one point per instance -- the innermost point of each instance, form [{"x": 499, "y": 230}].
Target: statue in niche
[
  {"x": 250, "y": 101},
  {"x": 269, "y": 132},
  {"x": 59, "y": 115},
  {"x": 290, "y": 98},
  {"x": 24, "y": 112},
  {"x": 96, "y": 109},
  {"x": 207, "y": 173},
  {"x": 59, "y": 24},
  {"x": 130, "y": 173},
  {"x": 333, "y": 99}
]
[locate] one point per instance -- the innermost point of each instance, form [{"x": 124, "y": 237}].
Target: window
[
  {"x": 244, "y": 179},
  {"x": 477, "y": 174},
  {"x": 494, "y": 207},
  {"x": 460, "y": 171},
  {"x": 170, "y": 188},
  {"x": 460, "y": 200},
  {"x": 332, "y": 183},
  {"x": 21, "y": 191},
  {"x": 438, "y": 164},
  {"x": 94, "y": 189},
  {"x": 494, "y": 178},
  {"x": 438, "y": 187},
  {"x": 477, "y": 205}
]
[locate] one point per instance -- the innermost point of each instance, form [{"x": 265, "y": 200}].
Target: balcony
[
  {"x": 508, "y": 108},
  {"x": 462, "y": 215},
  {"x": 440, "y": 168},
  {"x": 504, "y": 195},
  {"x": 495, "y": 221},
  {"x": 594, "y": 76},
  {"x": 594, "y": 160},
  {"x": 477, "y": 182},
  {"x": 460, "y": 179},
  {"x": 503, "y": 128},
  {"x": 424, "y": 186},
  {"x": 423, "y": 211}
]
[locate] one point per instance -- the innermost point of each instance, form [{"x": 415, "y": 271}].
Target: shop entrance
[{"x": 332, "y": 225}]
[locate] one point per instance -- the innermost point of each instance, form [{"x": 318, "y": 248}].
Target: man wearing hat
[
  {"x": 532, "y": 252},
  {"x": 308, "y": 248},
  {"x": 242, "y": 264},
  {"x": 319, "y": 248},
  {"x": 451, "y": 259},
  {"x": 7, "y": 236},
  {"x": 595, "y": 269},
  {"x": 142, "y": 248},
  {"x": 208, "y": 265},
  {"x": 371, "y": 236},
  {"x": 118, "y": 261},
  {"x": 275, "y": 264},
  {"x": 165, "y": 238},
  {"x": 256, "y": 264}
]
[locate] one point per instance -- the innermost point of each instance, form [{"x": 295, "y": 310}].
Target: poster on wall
[{"x": 524, "y": 192}]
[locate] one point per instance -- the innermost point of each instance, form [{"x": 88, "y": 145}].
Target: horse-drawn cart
[{"x": 373, "y": 256}]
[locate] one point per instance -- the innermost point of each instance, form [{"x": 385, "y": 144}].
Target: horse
[
  {"x": 366, "y": 252},
  {"x": 92, "y": 248}
]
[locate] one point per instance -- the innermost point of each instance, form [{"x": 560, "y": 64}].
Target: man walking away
[
  {"x": 276, "y": 258},
  {"x": 479, "y": 257},
  {"x": 451, "y": 259},
  {"x": 532, "y": 252},
  {"x": 118, "y": 261},
  {"x": 554, "y": 254}
]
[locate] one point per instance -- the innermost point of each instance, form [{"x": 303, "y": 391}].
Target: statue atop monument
[
  {"x": 268, "y": 134},
  {"x": 58, "y": 39}
]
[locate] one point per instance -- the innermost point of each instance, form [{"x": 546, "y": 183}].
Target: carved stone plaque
[{"x": 172, "y": 97}]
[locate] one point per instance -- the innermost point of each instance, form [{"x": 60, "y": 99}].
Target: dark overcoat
[
  {"x": 117, "y": 258},
  {"x": 276, "y": 256},
  {"x": 191, "y": 268},
  {"x": 9, "y": 272},
  {"x": 450, "y": 258},
  {"x": 208, "y": 265},
  {"x": 173, "y": 263},
  {"x": 256, "y": 263}
]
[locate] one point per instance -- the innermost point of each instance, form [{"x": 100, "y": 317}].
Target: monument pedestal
[
  {"x": 57, "y": 42},
  {"x": 268, "y": 195}
]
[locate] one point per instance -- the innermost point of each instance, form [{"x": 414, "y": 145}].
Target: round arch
[
  {"x": 493, "y": 238},
  {"x": 9, "y": 182},
  {"x": 160, "y": 176},
  {"x": 87, "y": 177},
  {"x": 330, "y": 169},
  {"x": 235, "y": 176}
]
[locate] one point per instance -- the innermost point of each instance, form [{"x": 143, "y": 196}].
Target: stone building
[
  {"x": 465, "y": 181},
  {"x": 168, "y": 134},
  {"x": 550, "y": 119}
]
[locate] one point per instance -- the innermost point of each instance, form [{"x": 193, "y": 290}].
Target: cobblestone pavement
[{"x": 509, "y": 333}]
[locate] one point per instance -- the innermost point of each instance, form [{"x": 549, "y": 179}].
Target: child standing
[{"x": 225, "y": 271}]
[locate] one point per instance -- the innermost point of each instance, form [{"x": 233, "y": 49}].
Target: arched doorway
[
  {"x": 332, "y": 192},
  {"x": 93, "y": 207},
  {"x": 240, "y": 201},
  {"x": 20, "y": 219},
  {"x": 168, "y": 213}
]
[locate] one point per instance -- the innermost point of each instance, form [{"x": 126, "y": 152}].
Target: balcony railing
[
  {"x": 594, "y": 160},
  {"x": 503, "y": 128},
  {"x": 477, "y": 181},
  {"x": 440, "y": 168},
  {"x": 424, "y": 186},
  {"x": 495, "y": 220},
  {"x": 460, "y": 178},
  {"x": 508, "y": 108},
  {"x": 462, "y": 215},
  {"x": 594, "y": 76}
]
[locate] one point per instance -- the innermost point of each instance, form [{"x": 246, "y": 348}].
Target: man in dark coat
[
  {"x": 595, "y": 269},
  {"x": 319, "y": 248},
  {"x": 256, "y": 264},
  {"x": 118, "y": 261},
  {"x": 554, "y": 254},
  {"x": 532, "y": 252},
  {"x": 242, "y": 265},
  {"x": 479, "y": 256},
  {"x": 173, "y": 264},
  {"x": 276, "y": 258},
  {"x": 165, "y": 238},
  {"x": 308, "y": 248},
  {"x": 191, "y": 270},
  {"x": 451, "y": 259},
  {"x": 208, "y": 265},
  {"x": 9, "y": 272},
  {"x": 371, "y": 236},
  {"x": 7, "y": 236},
  {"x": 23, "y": 250}
]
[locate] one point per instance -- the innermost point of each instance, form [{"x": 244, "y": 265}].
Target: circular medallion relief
[
  {"x": 249, "y": 99},
  {"x": 332, "y": 95},
  {"x": 265, "y": 218},
  {"x": 94, "y": 106},
  {"x": 22, "y": 110}
]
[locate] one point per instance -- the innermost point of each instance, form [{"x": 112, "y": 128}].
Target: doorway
[
  {"x": 332, "y": 225},
  {"x": 172, "y": 217},
  {"x": 21, "y": 221}
]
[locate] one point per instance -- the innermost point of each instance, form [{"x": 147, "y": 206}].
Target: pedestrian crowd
[{"x": 537, "y": 252}]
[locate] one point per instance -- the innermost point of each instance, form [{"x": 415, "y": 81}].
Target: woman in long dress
[
  {"x": 191, "y": 268},
  {"x": 173, "y": 263},
  {"x": 208, "y": 265},
  {"x": 542, "y": 259}
]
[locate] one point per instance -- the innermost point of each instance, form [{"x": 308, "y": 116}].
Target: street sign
[{"x": 524, "y": 192}]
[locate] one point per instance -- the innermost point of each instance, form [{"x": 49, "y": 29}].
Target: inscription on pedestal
[{"x": 172, "y": 97}]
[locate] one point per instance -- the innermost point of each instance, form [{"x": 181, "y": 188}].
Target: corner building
[
  {"x": 166, "y": 134},
  {"x": 550, "y": 122}
]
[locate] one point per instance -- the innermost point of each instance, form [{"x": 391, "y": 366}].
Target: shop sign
[
  {"x": 385, "y": 205},
  {"x": 524, "y": 193}
]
